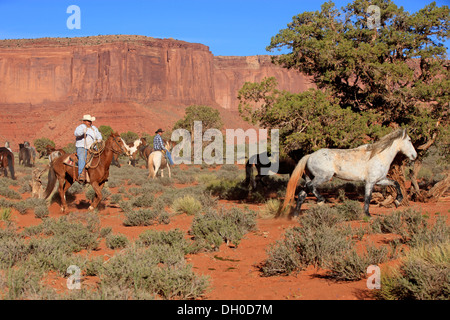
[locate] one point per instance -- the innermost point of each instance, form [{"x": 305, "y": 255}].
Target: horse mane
[{"x": 385, "y": 142}]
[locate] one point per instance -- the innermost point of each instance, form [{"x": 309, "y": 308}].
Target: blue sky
[{"x": 227, "y": 27}]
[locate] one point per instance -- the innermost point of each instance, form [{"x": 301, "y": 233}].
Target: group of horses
[
  {"x": 27, "y": 155},
  {"x": 369, "y": 163}
]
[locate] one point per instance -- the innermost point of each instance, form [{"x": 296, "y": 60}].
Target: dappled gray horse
[{"x": 369, "y": 163}]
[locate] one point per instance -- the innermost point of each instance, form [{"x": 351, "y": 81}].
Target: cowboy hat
[
  {"x": 88, "y": 117},
  {"x": 159, "y": 130}
]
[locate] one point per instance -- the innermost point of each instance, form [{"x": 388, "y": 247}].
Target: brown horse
[
  {"x": 7, "y": 161},
  {"x": 98, "y": 174}
]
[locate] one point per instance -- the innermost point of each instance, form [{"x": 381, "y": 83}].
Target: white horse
[
  {"x": 368, "y": 163},
  {"x": 157, "y": 161}
]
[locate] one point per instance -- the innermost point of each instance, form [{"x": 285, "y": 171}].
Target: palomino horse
[
  {"x": 286, "y": 165},
  {"x": 368, "y": 163},
  {"x": 7, "y": 161},
  {"x": 157, "y": 161},
  {"x": 98, "y": 175}
]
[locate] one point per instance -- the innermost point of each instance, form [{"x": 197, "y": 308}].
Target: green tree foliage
[
  {"x": 209, "y": 117},
  {"x": 105, "y": 131},
  {"x": 398, "y": 70},
  {"x": 310, "y": 120},
  {"x": 129, "y": 137},
  {"x": 41, "y": 144}
]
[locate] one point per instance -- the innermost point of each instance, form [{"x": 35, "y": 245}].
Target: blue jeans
[
  {"x": 82, "y": 154},
  {"x": 169, "y": 156}
]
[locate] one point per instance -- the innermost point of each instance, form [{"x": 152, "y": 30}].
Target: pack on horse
[
  {"x": 65, "y": 170},
  {"x": 286, "y": 165},
  {"x": 7, "y": 161},
  {"x": 369, "y": 163},
  {"x": 157, "y": 161}
]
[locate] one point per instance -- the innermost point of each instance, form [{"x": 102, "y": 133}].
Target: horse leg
[
  {"x": 98, "y": 195},
  {"x": 62, "y": 193},
  {"x": 388, "y": 182},
  {"x": 300, "y": 199},
  {"x": 168, "y": 170},
  {"x": 367, "y": 197},
  {"x": 312, "y": 185}
]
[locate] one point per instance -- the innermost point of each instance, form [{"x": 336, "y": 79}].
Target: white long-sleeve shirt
[{"x": 92, "y": 135}]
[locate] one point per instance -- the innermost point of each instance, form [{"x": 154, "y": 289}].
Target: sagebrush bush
[
  {"x": 116, "y": 241},
  {"x": 141, "y": 217},
  {"x": 174, "y": 238},
  {"x": 423, "y": 275},
  {"x": 41, "y": 212},
  {"x": 318, "y": 241},
  {"x": 215, "y": 227},
  {"x": 140, "y": 270},
  {"x": 187, "y": 204},
  {"x": 413, "y": 227}
]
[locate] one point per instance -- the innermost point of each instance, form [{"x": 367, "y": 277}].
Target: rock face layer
[{"x": 132, "y": 83}]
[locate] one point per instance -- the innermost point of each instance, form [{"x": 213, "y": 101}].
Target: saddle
[{"x": 93, "y": 153}]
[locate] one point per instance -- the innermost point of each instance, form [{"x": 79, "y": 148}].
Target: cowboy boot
[{"x": 82, "y": 177}]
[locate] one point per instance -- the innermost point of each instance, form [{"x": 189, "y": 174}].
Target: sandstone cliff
[{"x": 131, "y": 83}]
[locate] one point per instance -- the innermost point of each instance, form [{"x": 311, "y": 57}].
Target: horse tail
[
  {"x": 51, "y": 181},
  {"x": 11, "y": 165},
  {"x": 292, "y": 184}
]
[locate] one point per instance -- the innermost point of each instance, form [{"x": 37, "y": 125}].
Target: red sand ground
[{"x": 233, "y": 271}]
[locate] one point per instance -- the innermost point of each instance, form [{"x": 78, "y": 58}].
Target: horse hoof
[
  {"x": 91, "y": 208},
  {"x": 397, "y": 203}
]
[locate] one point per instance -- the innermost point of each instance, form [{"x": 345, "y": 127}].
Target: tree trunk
[
  {"x": 396, "y": 174},
  {"x": 439, "y": 188}
]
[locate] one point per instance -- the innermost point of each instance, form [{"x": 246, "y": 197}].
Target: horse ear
[{"x": 404, "y": 134}]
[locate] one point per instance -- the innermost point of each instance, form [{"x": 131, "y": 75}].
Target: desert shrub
[
  {"x": 144, "y": 200},
  {"x": 316, "y": 242},
  {"x": 174, "y": 238},
  {"x": 5, "y": 214},
  {"x": 283, "y": 257},
  {"x": 104, "y": 232},
  {"x": 351, "y": 266},
  {"x": 139, "y": 270},
  {"x": 413, "y": 227},
  {"x": 41, "y": 212},
  {"x": 227, "y": 189},
  {"x": 141, "y": 217},
  {"x": 350, "y": 210},
  {"x": 423, "y": 275},
  {"x": 187, "y": 204},
  {"x": 116, "y": 241},
  {"x": 215, "y": 227},
  {"x": 74, "y": 236},
  {"x": 13, "y": 248},
  {"x": 9, "y": 193},
  {"x": 116, "y": 198}
]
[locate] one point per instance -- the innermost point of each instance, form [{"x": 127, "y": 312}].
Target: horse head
[
  {"x": 406, "y": 146},
  {"x": 117, "y": 144}
]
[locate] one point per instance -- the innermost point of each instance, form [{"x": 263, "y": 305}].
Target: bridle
[{"x": 120, "y": 148}]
